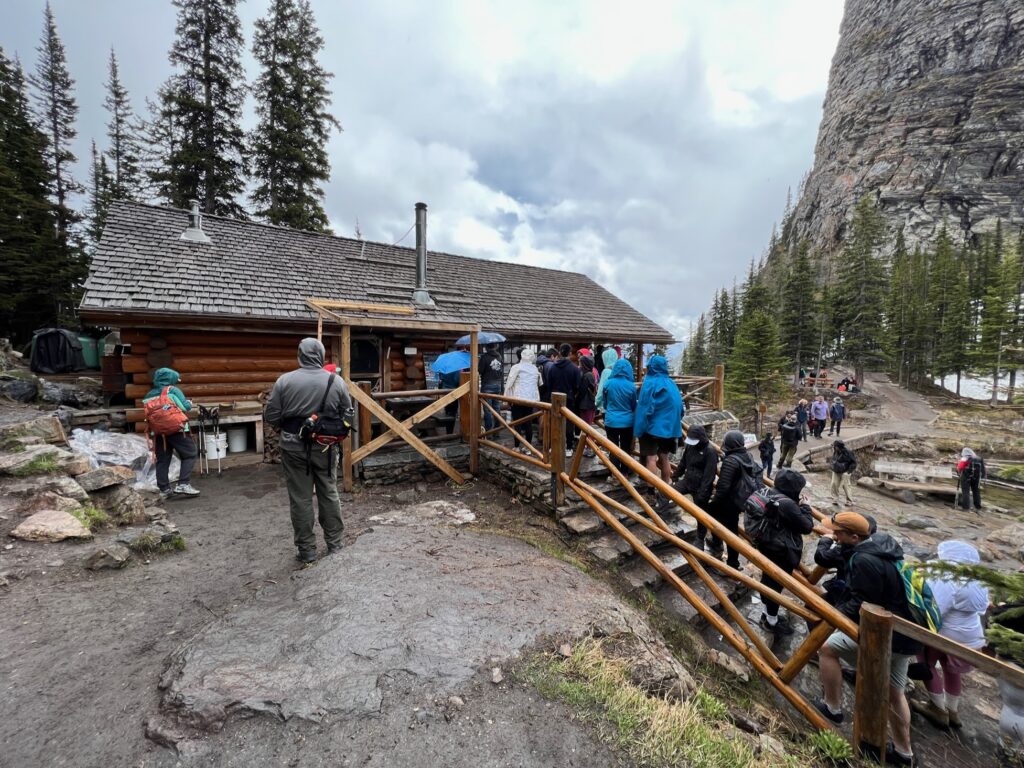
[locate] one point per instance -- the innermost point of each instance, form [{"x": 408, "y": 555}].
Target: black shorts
[{"x": 651, "y": 445}]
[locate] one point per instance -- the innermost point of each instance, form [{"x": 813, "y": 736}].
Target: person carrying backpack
[
  {"x": 301, "y": 398},
  {"x": 836, "y": 412},
  {"x": 873, "y": 570},
  {"x": 971, "y": 471},
  {"x": 523, "y": 382},
  {"x": 766, "y": 449},
  {"x": 962, "y": 604},
  {"x": 658, "y": 420},
  {"x": 789, "y": 434},
  {"x": 166, "y": 409},
  {"x": 777, "y": 519},
  {"x": 834, "y": 556},
  {"x": 561, "y": 376},
  {"x": 842, "y": 463},
  {"x": 695, "y": 474},
  {"x": 803, "y": 414},
  {"x": 738, "y": 478}
]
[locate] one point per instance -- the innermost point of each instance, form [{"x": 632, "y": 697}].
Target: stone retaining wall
[{"x": 407, "y": 465}]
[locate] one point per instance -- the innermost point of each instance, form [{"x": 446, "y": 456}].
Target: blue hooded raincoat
[
  {"x": 618, "y": 398},
  {"x": 659, "y": 409}
]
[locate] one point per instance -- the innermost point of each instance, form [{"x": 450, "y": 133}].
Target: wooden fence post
[
  {"x": 871, "y": 705},
  {"x": 474, "y": 405},
  {"x": 464, "y": 378},
  {"x": 365, "y": 423},
  {"x": 719, "y": 387},
  {"x": 557, "y": 430}
]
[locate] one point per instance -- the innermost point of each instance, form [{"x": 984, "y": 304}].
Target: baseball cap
[{"x": 851, "y": 522}]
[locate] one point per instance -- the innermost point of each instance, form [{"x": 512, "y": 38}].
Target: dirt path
[{"x": 82, "y": 653}]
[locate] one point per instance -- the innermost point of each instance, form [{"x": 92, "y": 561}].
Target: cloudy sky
[{"x": 648, "y": 144}]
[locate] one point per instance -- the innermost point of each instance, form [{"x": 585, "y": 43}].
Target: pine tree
[
  {"x": 947, "y": 326},
  {"x": 55, "y": 113},
  {"x": 696, "y": 361},
  {"x": 123, "y": 152},
  {"x": 719, "y": 334},
  {"x": 102, "y": 191},
  {"x": 30, "y": 290},
  {"x": 861, "y": 290},
  {"x": 899, "y": 311},
  {"x": 996, "y": 315},
  {"x": 289, "y": 144},
  {"x": 202, "y": 106},
  {"x": 754, "y": 372},
  {"x": 1015, "y": 356},
  {"x": 795, "y": 316}
]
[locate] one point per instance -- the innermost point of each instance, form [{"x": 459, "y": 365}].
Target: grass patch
[
  {"x": 91, "y": 517},
  {"x": 830, "y": 748},
  {"x": 653, "y": 732},
  {"x": 152, "y": 543},
  {"x": 40, "y": 465}
]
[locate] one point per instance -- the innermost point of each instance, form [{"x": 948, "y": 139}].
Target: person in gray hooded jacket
[{"x": 295, "y": 397}]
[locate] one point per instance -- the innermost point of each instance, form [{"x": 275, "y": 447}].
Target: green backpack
[{"x": 919, "y": 597}]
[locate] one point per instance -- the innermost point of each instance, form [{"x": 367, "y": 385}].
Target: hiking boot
[
  {"x": 892, "y": 757},
  {"x": 933, "y": 713},
  {"x": 780, "y": 627},
  {"x": 822, "y": 707},
  {"x": 165, "y": 495},
  {"x": 334, "y": 550},
  {"x": 306, "y": 557},
  {"x": 954, "y": 720},
  {"x": 186, "y": 489}
]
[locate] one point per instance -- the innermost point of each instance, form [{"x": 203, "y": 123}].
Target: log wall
[
  {"x": 406, "y": 372},
  {"x": 216, "y": 367}
]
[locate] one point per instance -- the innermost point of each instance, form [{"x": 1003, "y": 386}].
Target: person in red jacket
[{"x": 971, "y": 471}]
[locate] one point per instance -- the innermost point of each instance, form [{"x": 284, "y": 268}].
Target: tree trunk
[
  {"x": 995, "y": 387},
  {"x": 959, "y": 373},
  {"x": 858, "y": 372},
  {"x": 1011, "y": 385}
]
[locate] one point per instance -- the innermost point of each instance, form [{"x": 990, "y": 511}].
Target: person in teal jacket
[
  {"x": 659, "y": 417},
  {"x": 618, "y": 401},
  {"x": 609, "y": 357},
  {"x": 167, "y": 445}
]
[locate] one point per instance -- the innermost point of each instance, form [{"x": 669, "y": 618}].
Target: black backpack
[
  {"x": 761, "y": 515},
  {"x": 973, "y": 468},
  {"x": 322, "y": 429},
  {"x": 746, "y": 484}
]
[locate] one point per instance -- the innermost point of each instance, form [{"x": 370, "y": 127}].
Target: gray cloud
[{"x": 634, "y": 178}]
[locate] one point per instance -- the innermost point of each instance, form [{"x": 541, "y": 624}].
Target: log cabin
[{"x": 225, "y": 302}]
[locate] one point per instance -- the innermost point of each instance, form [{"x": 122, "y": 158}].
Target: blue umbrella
[
  {"x": 450, "y": 362},
  {"x": 484, "y": 337}
]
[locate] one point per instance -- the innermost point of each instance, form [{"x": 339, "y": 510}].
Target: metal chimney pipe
[
  {"x": 421, "y": 296},
  {"x": 194, "y": 231}
]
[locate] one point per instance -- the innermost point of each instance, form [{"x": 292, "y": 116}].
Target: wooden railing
[
  {"x": 541, "y": 414},
  {"x": 703, "y": 392},
  {"x": 874, "y": 655}
]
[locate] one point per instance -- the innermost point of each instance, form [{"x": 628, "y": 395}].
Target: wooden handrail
[
  {"x": 409, "y": 393},
  {"x": 537, "y": 405}
]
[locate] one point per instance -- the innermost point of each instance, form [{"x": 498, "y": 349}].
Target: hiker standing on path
[
  {"x": 971, "y": 471},
  {"x": 766, "y": 450},
  {"x": 789, "y": 432},
  {"x": 819, "y": 412},
  {"x": 586, "y": 404},
  {"x": 179, "y": 442},
  {"x": 697, "y": 472},
  {"x": 296, "y": 396},
  {"x": 608, "y": 358},
  {"x": 836, "y": 412},
  {"x": 803, "y": 413},
  {"x": 842, "y": 463},
  {"x": 961, "y": 604},
  {"x": 658, "y": 423},
  {"x": 738, "y": 478},
  {"x": 523, "y": 382},
  {"x": 784, "y": 540},
  {"x": 562, "y": 376},
  {"x": 492, "y": 376},
  {"x": 618, "y": 401},
  {"x": 874, "y": 577}
]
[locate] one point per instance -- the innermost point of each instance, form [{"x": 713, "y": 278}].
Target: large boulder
[
  {"x": 115, "y": 555},
  {"x": 31, "y": 460},
  {"x": 124, "y": 505},
  {"x": 58, "y": 484},
  {"x": 46, "y": 427},
  {"x": 48, "y": 500},
  {"x": 19, "y": 390},
  {"x": 104, "y": 477},
  {"x": 84, "y": 393},
  {"x": 51, "y": 525}
]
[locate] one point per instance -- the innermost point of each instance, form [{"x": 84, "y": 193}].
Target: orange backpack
[{"x": 163, "y": 416}]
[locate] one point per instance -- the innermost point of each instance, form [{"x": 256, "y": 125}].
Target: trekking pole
[
  {"x": 956, "y": 496},
  {"x": 216, "y": 434}
]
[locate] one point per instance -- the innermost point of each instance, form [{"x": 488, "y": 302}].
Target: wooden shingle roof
[{"x": 257, "y": 271}]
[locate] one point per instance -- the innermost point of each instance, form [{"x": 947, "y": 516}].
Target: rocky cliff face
[{"x": 924, "y": 112}]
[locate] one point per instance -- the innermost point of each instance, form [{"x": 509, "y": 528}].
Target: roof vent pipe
[
  {"x": 194, "y": 231},
  {"x": 421, "y": 296}
]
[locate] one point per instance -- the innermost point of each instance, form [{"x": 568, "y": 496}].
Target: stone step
[
  {"x": 611, "y": 548},
  {"x": 640, "y": 574},
  {"x": 680, "y": 607}
]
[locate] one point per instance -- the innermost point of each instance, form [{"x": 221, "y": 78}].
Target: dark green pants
[{"x": 323, "y": 477}]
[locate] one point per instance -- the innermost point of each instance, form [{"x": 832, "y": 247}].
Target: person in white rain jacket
[{"x": 523, "y": 382}]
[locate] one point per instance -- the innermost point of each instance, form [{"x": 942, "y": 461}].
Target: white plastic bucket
[
  {"x": 238, "y": 439},
  {"x": 216, "y": 446}
]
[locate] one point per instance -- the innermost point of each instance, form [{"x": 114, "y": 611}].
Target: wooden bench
[{"x": 922, "y": 473}]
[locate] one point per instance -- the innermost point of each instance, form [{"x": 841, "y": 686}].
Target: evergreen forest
[
  {"x": 946, "y": 308},
  {"x": 187, "y": 144}
]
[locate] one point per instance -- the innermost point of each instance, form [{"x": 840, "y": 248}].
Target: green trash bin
[{"x": 90, "y": 351}]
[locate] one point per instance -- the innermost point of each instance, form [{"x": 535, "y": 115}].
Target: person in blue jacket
[
  {"x": 180, "y": 443},
  {"x": 617, "y": 398},
  {"x": 658, "y": 423}
]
